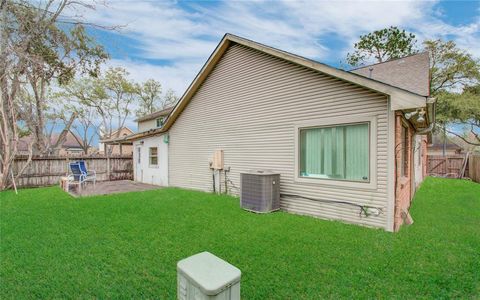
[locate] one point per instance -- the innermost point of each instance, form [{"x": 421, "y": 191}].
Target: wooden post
[
  {"x": 67, "y": 165},
  {"x": 445, "y": 168},
  {"x": 121, "y": 149},
  {"x": 108, "y": 165}
]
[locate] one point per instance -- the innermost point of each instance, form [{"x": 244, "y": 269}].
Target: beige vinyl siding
[
  {"x": 249, "y": 106},
  {"x": 147, "y": 125}
]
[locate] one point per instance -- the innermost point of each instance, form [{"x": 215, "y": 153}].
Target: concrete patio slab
[{"x": 111, "y": 187}]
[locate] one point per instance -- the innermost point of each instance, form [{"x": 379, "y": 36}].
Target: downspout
[{"x": 432, "y": 124}]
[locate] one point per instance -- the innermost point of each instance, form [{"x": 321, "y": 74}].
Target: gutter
[{"x": 430, "y": 101}]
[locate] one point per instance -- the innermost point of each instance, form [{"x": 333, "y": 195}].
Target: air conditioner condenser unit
[{"x": 260, "y": 191}]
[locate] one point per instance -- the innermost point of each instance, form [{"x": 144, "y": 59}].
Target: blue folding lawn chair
[
  {"x": 89, "y": 175},
  {"x": 80, "y": 175}
]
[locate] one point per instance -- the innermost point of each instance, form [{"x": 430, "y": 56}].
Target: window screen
[
  {"x": 153, "y": 156},
  {"x": 336, "y": 152}
]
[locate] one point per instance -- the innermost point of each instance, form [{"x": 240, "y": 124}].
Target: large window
[
  {"x": 153, "y": 156},
  {"x": 336, "y": 152}
]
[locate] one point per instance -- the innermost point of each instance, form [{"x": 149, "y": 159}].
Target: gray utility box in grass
[
  {"x": 260, "y": 191},
  {"x": 204, "y": 276}
]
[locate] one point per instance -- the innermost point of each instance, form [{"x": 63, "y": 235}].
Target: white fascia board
[{"x": 399, "y": 101}]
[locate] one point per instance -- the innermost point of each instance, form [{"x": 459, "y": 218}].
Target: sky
[{"x": 169, "y": 41}]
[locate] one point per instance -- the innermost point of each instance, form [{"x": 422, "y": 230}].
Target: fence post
[
  {"x": 67, "y": 161},
  {"x": 446, "y": 165},
  {"x": 108, "y": 166}
]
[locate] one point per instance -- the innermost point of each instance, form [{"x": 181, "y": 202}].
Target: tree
[
  {"x": 382, "y": 45},
  {"x": 60, "y": 55},
  {"x": 108, "y": 99},
  {"x": 170, "y": 99},
  {"x": 121, "y": 92},
  {"x": 34, "y": 49},
  {"x": 86, "y": 127},
  {"x": 450, "y": 67},
  {"x": 151, "y": 100},
  {"x": 149, "y": 94},
  {"x": 455, "y": 82},
  {"x": 455, "y": 76},
  {"x": 461, "y": 110}
]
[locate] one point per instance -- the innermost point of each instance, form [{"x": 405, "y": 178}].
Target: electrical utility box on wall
[
  {"x": 205, "y": 276},
  {"x": 260, "y": 191},
  {"x": 217, "y": 161}
]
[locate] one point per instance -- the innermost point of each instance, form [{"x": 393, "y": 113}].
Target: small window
[
  {"x": 139, "y": 154},
  {"x": 404, "y": 157},
  {"x": 153, "y": 155},
  {"x": 159, "y": 122},
  {"x": 336, "y": 152}
]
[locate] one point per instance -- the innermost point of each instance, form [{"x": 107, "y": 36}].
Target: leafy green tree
[
  {"x": 151, "y": 100},
  {"x": 455, "y": 76},
  {"x": 104, "y": 102},
  {"x": 382, "y": 45},
  {"x": 57, "y": 55},
  {"x": 149, "y": 94},
  {"x": 451, "y": 68},
  {"x": 122, "y": 93},
  {"x": 455, "y": 82},
  {"x": 461, "y": 110},
  {"x": 38, "y": 45},
  {"x": 170, "y": 99}
]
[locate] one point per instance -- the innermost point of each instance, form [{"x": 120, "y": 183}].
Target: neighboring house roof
[
  {"x": 411, "y": 73},
  {"x": 400, "y": 98},
  {"x": 463, "y": 144},
  {"x": 437, "y": 143},
  {"x": 126, "y": 131},
  {"x": 157, "y": 114},
  {"x": 70, "y": 142}
]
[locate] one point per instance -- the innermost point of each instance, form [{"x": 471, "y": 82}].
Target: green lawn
[{"x": 127, "y": 246}]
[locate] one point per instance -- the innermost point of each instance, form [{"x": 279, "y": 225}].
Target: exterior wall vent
[{"x": 260, "y": 191}]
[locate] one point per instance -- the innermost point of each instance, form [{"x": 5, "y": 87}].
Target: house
[
  {"x": 71, "y": 146},
  {"x": 116, "y": 149},
  {"x": 443, "y": 145},
  {"x": 343, "y": 142},
  {"x": 472, "y": 137},
  {"x": 154, "y": 120},
  {"x": 147, "y": 169}
]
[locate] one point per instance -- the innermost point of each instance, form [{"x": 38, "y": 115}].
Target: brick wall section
[{"x": 403, "y": 194}]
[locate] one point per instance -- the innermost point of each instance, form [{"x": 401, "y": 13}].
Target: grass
[{"x": 127, "y": 245}]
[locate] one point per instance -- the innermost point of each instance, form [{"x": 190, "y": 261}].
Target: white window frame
[
  {"x": 150, "y": 156},
  {"x": 340, "y": 121}
]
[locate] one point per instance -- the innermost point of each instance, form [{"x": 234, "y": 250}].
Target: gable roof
[
  {"x": 157, "y": 114},
  {"x": 124, "y": 128},
  {"x": 126, "y": 132},
  {"x": 438, "y": 140},
  {"x": 70, "y": 141},
  {"x": 400, "y": 98},
  {"x": 411, "y": 73}
]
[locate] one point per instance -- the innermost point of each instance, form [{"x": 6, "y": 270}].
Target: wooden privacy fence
[
  {"x": 449, "y": 166},
  {"x": 44, "y": 171},
  {"x": 452, "y": 166},
  {"x": 474, "y": 167}
]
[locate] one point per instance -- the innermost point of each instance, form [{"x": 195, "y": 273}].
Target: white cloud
[
  {"x": 165, "y": 30},
  {"x": 176, "y": 76},
  {"x": 185, "y": 34}
]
